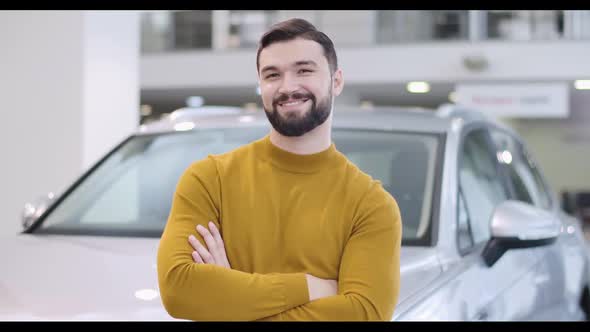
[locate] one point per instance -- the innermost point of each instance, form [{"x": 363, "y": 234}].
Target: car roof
[{"x": 414, "y": 119}]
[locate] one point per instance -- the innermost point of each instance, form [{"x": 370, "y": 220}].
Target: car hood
[{"x": 54, "y": 277}]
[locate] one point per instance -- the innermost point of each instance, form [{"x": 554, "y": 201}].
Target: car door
[
  {"x": 552, "y": 262},
  {"x": 503, "y": 291}
]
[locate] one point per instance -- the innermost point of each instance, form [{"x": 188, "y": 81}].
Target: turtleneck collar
[{"x": 296, "y": 163}]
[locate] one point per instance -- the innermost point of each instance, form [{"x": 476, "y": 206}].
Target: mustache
[{"x": 294, "y": 96}]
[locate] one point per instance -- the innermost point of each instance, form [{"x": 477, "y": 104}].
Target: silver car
[{"x": 483, "y": 234}]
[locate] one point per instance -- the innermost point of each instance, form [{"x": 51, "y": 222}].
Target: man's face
[{"x": 296, "y": 86}]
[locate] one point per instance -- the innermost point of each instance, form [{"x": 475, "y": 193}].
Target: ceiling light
[
  {"x": 582, "y": 84},
  {"x": 418, "y": 87}
]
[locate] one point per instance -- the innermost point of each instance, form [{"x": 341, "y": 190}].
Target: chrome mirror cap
[{"x": 516, "y": 225}]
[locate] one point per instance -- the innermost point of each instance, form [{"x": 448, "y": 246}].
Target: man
[{"x": 283, "y": 228}]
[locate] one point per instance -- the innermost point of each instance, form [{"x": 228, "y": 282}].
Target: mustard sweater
[{"x": 281, "y": 215}]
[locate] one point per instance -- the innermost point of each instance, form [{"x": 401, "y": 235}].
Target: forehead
[{"x": 286, "y": 53}]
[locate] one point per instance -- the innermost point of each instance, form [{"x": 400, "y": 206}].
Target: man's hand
[
  {"x": 215, "y": 251},
  {"x": 319, "y": 288}
]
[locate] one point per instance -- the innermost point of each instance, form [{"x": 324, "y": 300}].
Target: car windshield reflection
[{"x": 130, "y": 193}]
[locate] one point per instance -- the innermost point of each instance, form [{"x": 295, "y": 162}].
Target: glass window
[
  {"x": 405, "y": 164},
  {"x": 480, "y": 183},
  {"x": 545, "y": 195},
  {"x": 156, "y": 31},
  {"x": 176, "y": 30},
  {"x": 464, "y": 236},
  {"x": 247, "y": 26},
  {"x": 139, "y": 179},
  {"x": 525, "y": 179},
  {"x": 193, "y": 29},
  {"x": 395, "y": 26},
  {"x": 525, "y": 24}
]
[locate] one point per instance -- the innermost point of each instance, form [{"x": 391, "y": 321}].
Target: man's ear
[{"x": 338, "y": 82}]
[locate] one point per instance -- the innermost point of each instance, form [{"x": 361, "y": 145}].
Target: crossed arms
[
  {"x": 214, "y": 253},
  {"x": 368, "y": 280}
]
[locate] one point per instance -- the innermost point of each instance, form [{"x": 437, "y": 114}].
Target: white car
[{"x": 483, "y": 234}]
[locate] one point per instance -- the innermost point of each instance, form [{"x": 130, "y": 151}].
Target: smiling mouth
[{"x": 293, "y": 102}]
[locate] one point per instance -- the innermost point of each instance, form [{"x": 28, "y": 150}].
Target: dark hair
[{"x": 298, "y": 28}]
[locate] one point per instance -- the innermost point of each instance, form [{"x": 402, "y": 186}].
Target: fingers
[
  {"x": 214, "y": 252},
  {"x": 220, "y": 243},
  {"x": 201, "y": 250},
  {"x": 197, "y": 258},
  {"x": 216, "y": 234},
  {"x": 211, "y": 243}
]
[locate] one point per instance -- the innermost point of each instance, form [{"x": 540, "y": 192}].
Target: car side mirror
[
  {"x": 516, "y": 225},
  {"x": 33, "y": 210}
]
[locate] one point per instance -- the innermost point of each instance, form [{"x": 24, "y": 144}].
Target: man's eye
[
  {"x": 273, "y": 75},
  {"x": 301, "y": 71}
]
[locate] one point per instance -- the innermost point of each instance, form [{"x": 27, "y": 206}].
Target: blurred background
[{"x": 73, "y": 84}]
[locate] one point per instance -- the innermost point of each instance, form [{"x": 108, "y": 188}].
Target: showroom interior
[{"x": 75, "y": 84}]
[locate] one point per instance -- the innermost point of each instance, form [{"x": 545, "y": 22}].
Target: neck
[{"x": 314, "y": 141}]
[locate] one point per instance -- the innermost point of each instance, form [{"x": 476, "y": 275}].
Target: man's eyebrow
[
  {"x": 298, "y": 63},
  {"x": 306, "y": 62},
  {"x": 267, "y": 68}
]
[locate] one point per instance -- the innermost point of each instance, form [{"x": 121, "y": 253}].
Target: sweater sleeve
[
  {"x": 209, "y": 292},
  {"x": 369, "y": 274}
]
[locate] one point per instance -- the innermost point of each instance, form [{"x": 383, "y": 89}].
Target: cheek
[
  {"x": 318, "y": 89},
  {"x": 266, "y": 95},
  {"x": 266, "y": 99},
  {"x": 318, "y": 92}
]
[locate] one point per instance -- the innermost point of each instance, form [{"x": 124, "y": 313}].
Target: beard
[{"x": 294, "y": 125}]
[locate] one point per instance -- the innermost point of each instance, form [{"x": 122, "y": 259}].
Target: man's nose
[{"x": 289, "y": 84}]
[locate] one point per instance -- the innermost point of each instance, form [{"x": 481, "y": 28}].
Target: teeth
[{"x": 293, "y": 103}]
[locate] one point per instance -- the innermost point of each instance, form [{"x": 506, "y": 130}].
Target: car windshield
[{"x": 130, "y": 192}]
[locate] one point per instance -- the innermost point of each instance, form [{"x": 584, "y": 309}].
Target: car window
[
  {"x": 405, "y": 164},
  {"x": 544, "y": 189},
  {"x": 523, "y": 174},
  {"x": 464, "y": 236},
  {"x": 139, "y": 179},
  {"x": 480, "y": 183}
]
